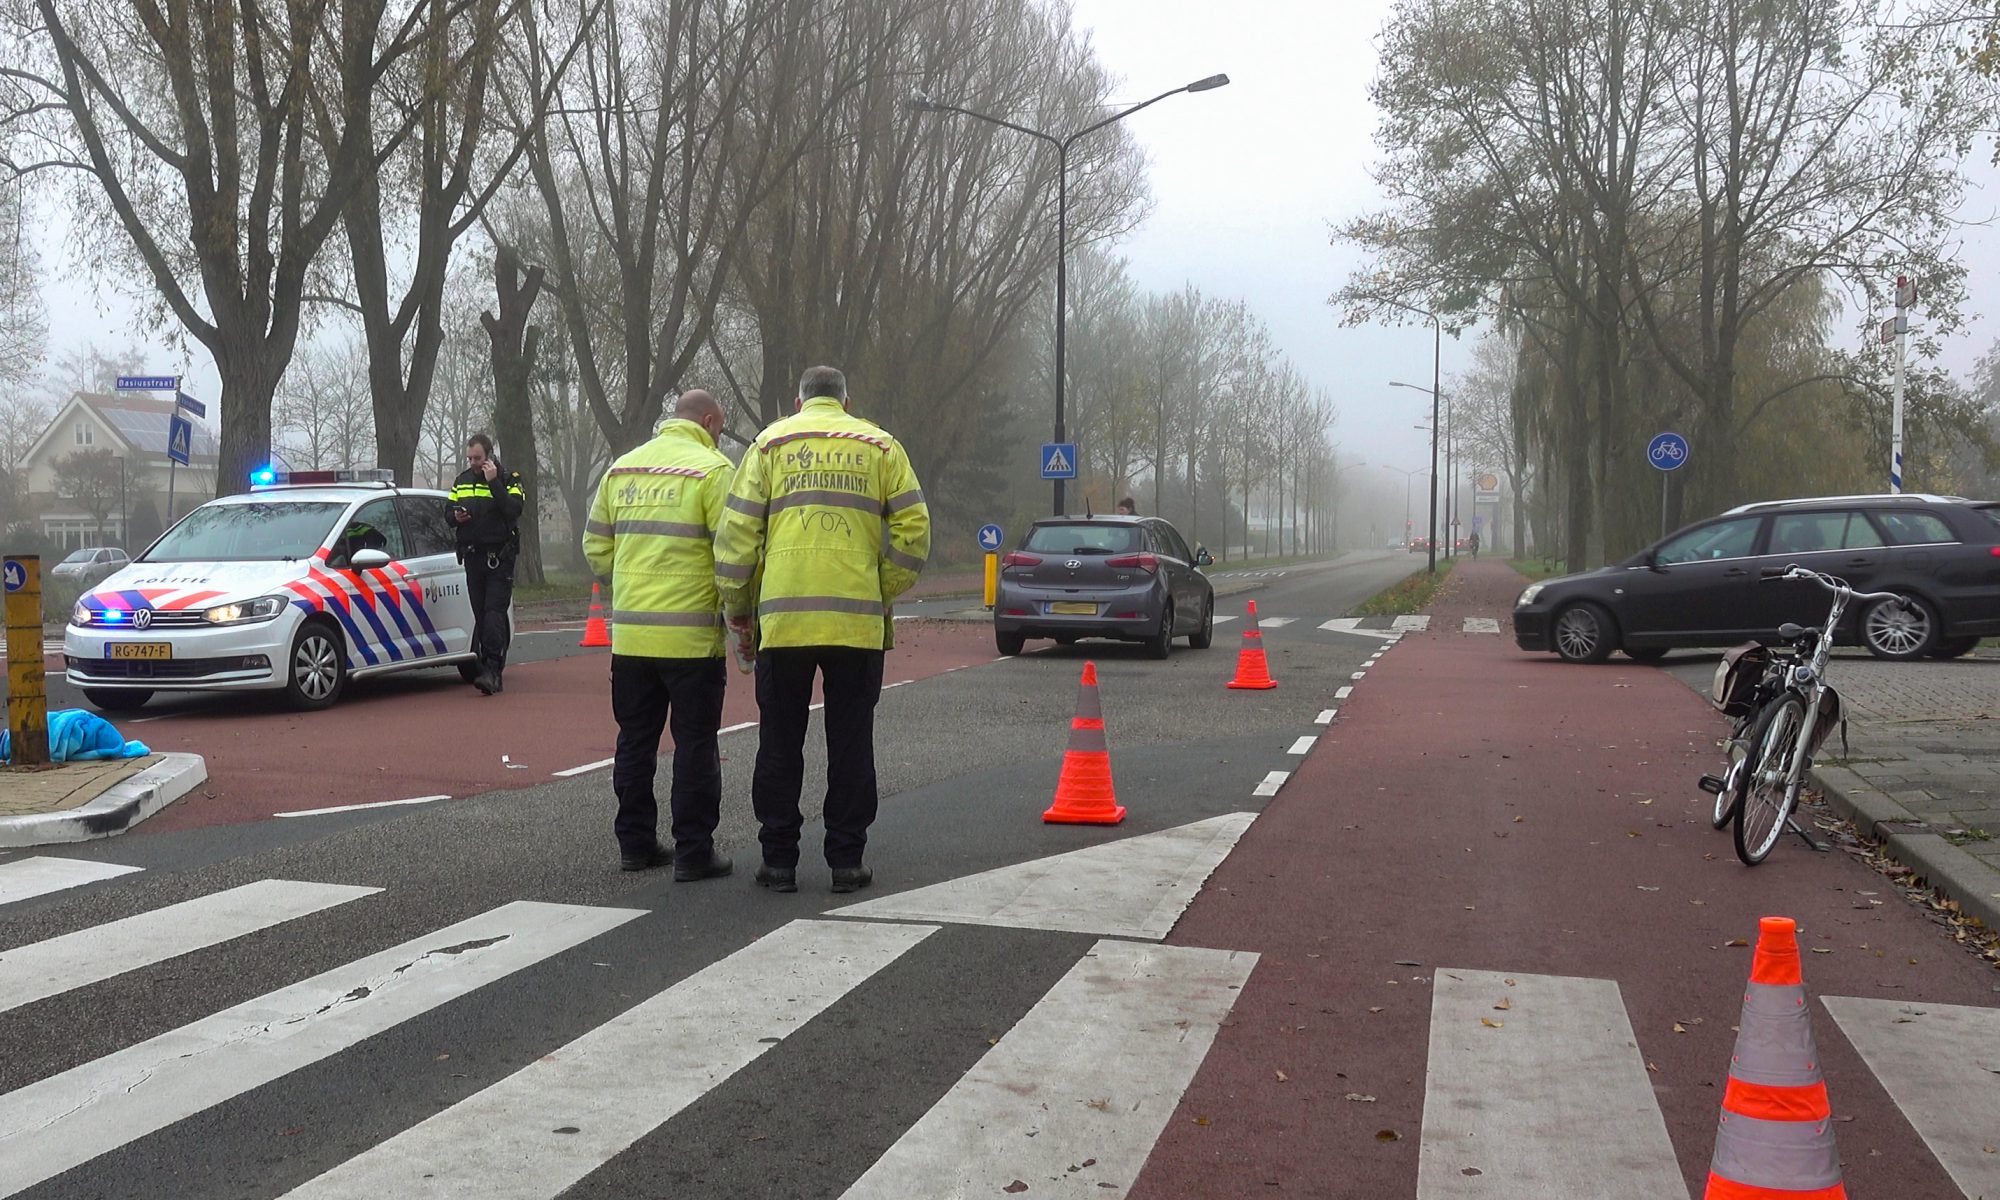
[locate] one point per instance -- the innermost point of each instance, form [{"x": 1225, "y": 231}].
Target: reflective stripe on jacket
[
  {"x": 495, "y": 508},
  {"x": 651, "y": 532},
  {"x": 825, "y": 527}
]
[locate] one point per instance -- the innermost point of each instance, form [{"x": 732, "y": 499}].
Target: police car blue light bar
[{"x": 264, "y": 477}]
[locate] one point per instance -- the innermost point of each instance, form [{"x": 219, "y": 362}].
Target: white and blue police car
[{"x": 308, "y": 580}]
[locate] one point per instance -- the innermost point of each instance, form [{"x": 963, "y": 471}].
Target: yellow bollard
[
  {"x": 992, "y": 579},
  {"x": 27, "y": 688}
]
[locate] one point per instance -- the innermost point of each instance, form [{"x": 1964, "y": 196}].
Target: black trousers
[
  {"x": 646, "y": 694},
  {"x": 852, "y": 683},
  {"x": 490, "y": 589}
]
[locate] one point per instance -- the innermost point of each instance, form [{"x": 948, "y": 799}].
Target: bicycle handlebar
[{"x": 1830, "y": 583}]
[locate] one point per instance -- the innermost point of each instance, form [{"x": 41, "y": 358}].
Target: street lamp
[
  {"x": 1432, "y": 429},
  {"x": 1436, "y": 389},
  {"x": 1409, "y": 477},
  {"x": 922, "y": 103}
]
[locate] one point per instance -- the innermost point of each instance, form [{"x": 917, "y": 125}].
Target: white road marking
[
  {"x": 1136, "y": 887},
  {"x": 1411, "y": 624},
  {"x": 1222, "y": 620},
  {"x": 74, "y": 960},
  {"x": 1549, "y": 1097},
  {"x": 546, "y": 1126},
  {"x": 739, "y": 727},
  {"x": 27, "y": 877},
  {"x": 1041, "y": 1109},
  {"x": 341, "y": 808},
  {"x": 1304, "y": 744},
  {"x": 1941, "y": 1065},
  {"x": 1353, "y": 625},
  {"x": 815, "y": 707},
  {"x": 66, "y": 1120},
  {"x": 1275, "y": 622},
  {"x": 1480, "y": 625},
  {"x": 1360, "y": 675},
  {"x": 585, "y": 769},
  {"x": 1326, "y": 716},
  {"x": 1342, "y": 693},
  {"x": 1272, "y": 782},
  {"x": 898, "y": 683}
]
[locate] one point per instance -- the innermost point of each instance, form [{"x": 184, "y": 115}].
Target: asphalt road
[{"x": 254, "y": 1088}]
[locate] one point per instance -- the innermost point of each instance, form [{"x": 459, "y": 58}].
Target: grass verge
[
  {"x": 1538, "y": 568},
  {"x": 1408, "y": 596}
]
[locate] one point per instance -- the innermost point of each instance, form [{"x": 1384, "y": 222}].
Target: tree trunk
[
  {"x": 514, "y": 345},
  {"x": 244, "y": 413}
]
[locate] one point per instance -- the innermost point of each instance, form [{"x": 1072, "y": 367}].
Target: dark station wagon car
[
  {"x": 1130, "y": 578},
  {"x": 1706, "y": 585}
]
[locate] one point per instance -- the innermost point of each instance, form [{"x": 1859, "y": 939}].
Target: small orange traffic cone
[
  {"x": 594, "y": 631},
  {"x": 1084, "y": 795},
  {"x": 1776, "y": 1135},
  {"x": 1251, "y": 669}
]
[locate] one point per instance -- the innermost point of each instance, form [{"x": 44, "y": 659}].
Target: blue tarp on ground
[{"x": 77, "y": 735}]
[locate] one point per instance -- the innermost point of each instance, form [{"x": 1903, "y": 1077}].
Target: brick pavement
[{"x": 1926, "y": 735}]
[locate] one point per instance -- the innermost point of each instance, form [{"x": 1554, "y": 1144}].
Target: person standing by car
[
  {"x": 486, "y": 506},
  {"x": 650, "y": 532},
  {"x": 826, "y": 526},
  {"x": 1128, "y": 507}
]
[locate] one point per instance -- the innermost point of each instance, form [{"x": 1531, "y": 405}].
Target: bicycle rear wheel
[
  {"x": 1735, "y": 777},
  {"x": 1768, "y": 795}
]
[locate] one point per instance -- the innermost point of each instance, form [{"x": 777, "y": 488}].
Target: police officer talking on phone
[{"x": 486, "y": 501}]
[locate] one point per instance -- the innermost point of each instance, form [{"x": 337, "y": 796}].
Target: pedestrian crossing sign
[
  {"x": 1059, "y": 460},
  {"x": 180, "y": 435}
]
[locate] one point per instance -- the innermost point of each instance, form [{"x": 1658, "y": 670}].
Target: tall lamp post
[
  {"x": 923, "y": 103},
  {"x": 1432, "y": 429},
  {"x": 1409, "y": 477},
  {"x": 1436, "y": 389}
]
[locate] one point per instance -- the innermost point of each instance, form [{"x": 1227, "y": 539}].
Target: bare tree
[
  {"x": 23, "y": 324},
  {"x": 91, "y": 480},
  {"x": 213, "y": 159},
  {"x": 321, "y": 414}
]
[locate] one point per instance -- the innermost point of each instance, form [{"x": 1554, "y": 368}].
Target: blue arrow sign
[
  {"x": 180, "y": 436},
  {"x": 148, "y": 383},
  {"x": 190, "y": 404},
  {"x": 17, "y": 576},
  {"x": 1059, "y": 460},
  {"x": 990, "y": 537},
  {"x": 1668, "y": 451}
]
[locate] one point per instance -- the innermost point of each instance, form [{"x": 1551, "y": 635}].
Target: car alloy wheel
[
  {"x": 1895, "y": 632},
  {"x": 316, "y": 666},
  {"x": 1583, "y": 633}
]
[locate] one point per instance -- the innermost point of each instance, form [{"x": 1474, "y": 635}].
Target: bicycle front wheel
[{"x": 1768, "y": 792}]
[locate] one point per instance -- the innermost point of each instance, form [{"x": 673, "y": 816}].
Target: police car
[{"x": 308, "y": 580}]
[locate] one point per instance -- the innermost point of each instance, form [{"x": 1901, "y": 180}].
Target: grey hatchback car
[{"x": 1130, "y": 578}]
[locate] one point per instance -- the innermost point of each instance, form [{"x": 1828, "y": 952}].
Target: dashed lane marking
[
  {"x": 1303, "y": 744},
  {"x": 1326, "y": 716},
  {"x": 585, "y": 769},
  {"x": 1272, "y": 782},
  {"x": 1480, "y": 625},
  {"x": 1343, "y": 693}
]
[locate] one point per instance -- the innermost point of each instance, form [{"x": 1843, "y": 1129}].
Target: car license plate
[
  {"x": 139, "y": 650},
  {"x": 1072, "y": 608}
]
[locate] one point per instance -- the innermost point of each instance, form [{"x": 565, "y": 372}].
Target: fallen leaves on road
[
  {"x": 1490, "y": 1023},
  {"x": 1103, "y": 1105},
  {"x": 1015, "y": 1188},
  {"x": 1822, "y": 950},
  {"x": 1653, "y": 1066},
  {"x": 1201, "y": 1120},
  {"x": 1282, "y": 1077},
  {"x": 1377, "y": 1008},
  {"x": 1388, "y": 1135},
  {"x": 1679, "y": 1028},
  {"x": 1358, "y": 1098},
  {"x": 1737, "y": 942},
  {"x": 1503, "y": 1006}
]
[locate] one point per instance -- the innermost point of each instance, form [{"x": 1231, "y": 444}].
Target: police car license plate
[
  {"x": 1072, "y": 608},
  {"x": 139, "y": 650}
]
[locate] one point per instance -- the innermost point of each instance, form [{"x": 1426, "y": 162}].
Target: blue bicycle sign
[{"x": 1668, "y": 451}]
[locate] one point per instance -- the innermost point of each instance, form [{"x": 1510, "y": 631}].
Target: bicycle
[{"x": 1760, "y": 790}]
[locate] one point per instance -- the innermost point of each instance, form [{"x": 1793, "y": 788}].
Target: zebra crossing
[{"x": 1073, "y": 1094}]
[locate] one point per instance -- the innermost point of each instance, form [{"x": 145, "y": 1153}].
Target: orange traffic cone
[
  {"x": 594, "y": 631},
  {"x": 1084, "y": 795},
  {"x": 1776, "y": 1135},
  {"x": 1251, "y": 669}
]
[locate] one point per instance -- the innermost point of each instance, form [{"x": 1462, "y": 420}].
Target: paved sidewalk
[
  {"x": 1923, "y": 769},
  {"x": 80, "y": 801}
]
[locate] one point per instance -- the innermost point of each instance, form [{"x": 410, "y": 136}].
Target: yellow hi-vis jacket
[
  {"x": 825, "y": 527},
  {"x": 651, "y": 530}
]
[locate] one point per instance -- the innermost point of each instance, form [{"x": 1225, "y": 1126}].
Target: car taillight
[
  {"x": 1144, "y": 562},
  {"x": 1018, "y": 559},
  {"x": 1996, "y": 551}
]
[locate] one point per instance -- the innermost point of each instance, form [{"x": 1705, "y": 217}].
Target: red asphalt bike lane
[
  {"x": 429, "y": 734},
  {"x": 1483, "y": 808}
]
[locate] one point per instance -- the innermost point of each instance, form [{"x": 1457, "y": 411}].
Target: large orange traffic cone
[
  {"x": 594, "y": 631},
  {"x": 1084, "y": 795},
  {"x": 1776, "y": 1136},
  {"x": 1251, "y": 669}
]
